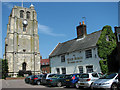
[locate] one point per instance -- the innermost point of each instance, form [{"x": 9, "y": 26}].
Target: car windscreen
[
  {"x": 56, "y": 76},
  {"x": 44, "y": 76},
  {"x": 111, "y": 76},
  {"x": 51, "y": 75},
  {"x": 84, "y": 76},
  {"x": 33, "y": 76},
  {"x": 39, "y": 75},
  {"x": 68, "y": 76},
  {"x": 77, "y": 75},
  {"x": 36, "y": 76}
]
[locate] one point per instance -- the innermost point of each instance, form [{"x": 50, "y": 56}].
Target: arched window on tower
[
  {"x": 21, "y": 13},
  {"x": 24, "y": 66},
  {"x": 28, "y": 15}
]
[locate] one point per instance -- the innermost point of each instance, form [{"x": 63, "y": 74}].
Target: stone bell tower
[{"x": 22, "y": 41}]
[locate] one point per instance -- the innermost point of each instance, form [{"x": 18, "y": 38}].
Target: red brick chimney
[{"x": 81, "y": 30}]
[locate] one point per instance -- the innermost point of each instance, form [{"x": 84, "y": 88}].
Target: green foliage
[
  {"x": 4, "y": 68},
  {"x": 104, "y": 66},
  {"x": 106, "y": 44},
  {"x": 105, "y": 47}
]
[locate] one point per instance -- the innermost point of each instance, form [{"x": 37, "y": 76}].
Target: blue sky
[{"x": 57, "y": 21}]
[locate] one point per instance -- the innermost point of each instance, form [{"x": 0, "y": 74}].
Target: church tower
[{"x": 22, "y": 41}]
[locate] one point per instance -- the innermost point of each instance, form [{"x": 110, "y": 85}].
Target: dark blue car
[{"x": 72, "y": 79}]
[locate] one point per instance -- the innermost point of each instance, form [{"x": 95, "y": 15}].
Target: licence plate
[
  {"x": 81, "y": 83},
  {"x": 67, "y": 80}
]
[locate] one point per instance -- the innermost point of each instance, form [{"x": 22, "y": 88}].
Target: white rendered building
[{"x": 79, "y": 55}]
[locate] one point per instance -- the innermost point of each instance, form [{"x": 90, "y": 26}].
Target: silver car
[
  {"x": 108, "y": 81},
  {"x": 86, "y": 80}
]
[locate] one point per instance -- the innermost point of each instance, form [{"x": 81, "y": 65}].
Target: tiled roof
[
  {"x": 77, "y": 44},
  {"x": 45, "y": 61}
]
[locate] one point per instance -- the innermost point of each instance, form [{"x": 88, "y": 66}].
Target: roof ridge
[
  {"x": 94, "y": 32},
  {"x": 76, "y": 38}
]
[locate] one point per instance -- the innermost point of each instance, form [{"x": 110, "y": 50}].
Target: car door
[
  {"x": 94, "y": 77},
  {"x": 62, "y": 80},
  {"x": 43, "y": 80},
  {"x": 116, "y": 79}
]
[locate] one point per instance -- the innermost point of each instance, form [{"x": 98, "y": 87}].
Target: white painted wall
[{"x": 55, "y": 62}]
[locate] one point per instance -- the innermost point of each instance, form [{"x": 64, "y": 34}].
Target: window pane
[
  {"x": 84, "y": 76},
  {"x": 63, "y": 70},
  {"x": 63, "y": 58},
  {"x": 80, "y": 69},
  {"x": 58, "y": 70},
  {"x": 95, "y": 75},
  {"x": 28, "y": 15},
  {"x": 89, "y": 69},
  {"x": 21, "y": 13},
  {"x": 88, "y": 53}
]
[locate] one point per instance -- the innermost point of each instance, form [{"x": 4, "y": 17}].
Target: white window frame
[
  {"x": 89, "y": 70},
  {"x": 62, "y": 70},
  {"x": 80, "y": 70},
  {"x": 86, "y": 54},
  {"x": 63, "y": 58},
  {"x": 58, "y": 70},
  {"x": 118, "y": 36}
]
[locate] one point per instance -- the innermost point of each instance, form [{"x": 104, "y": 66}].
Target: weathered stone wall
[{"x": 22, "y": 46}]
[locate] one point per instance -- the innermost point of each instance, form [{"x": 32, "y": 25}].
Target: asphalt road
[{"x": 21, "y": 85}]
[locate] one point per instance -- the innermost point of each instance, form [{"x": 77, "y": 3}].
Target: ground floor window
[
  {"x": 80, "y": 69},
  {"x": 63, "y": 70},
  {"x": 58, "y": 70},
  {"x": 89, "y": 68}
]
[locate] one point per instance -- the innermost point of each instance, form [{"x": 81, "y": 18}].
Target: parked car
[
  {"x": 28, "y": 78},
  {"x": 46, "y": 77},
  {"x": 72, "y": 79},
  {"x": 108, "y": 81},
  {"x": 57, "y": 80},
  {"x": 86, "y": 80},
  {"x": 36, "y": 79}
]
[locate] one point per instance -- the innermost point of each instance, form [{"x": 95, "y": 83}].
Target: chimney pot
[
  {"x": 80, "y": 23},
  {"x": 83, "y": 23},
  {"x": 81, "y": 30}
]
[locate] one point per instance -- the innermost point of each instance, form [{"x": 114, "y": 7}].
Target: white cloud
[
  {"x": 47, "y": 30},
  {"x": 9, "y": 5}
]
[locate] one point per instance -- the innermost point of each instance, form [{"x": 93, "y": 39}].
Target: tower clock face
[{"x": 25, "y": 23}]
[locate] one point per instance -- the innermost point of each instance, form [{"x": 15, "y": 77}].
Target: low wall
[{"x": 11, "y": 78}]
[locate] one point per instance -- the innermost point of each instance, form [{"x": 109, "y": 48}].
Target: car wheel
[
  {"x": 67, "y": 86},
  {"x": 38, "y": 82},
  {"x": 77, "y": 86},
  {"x": 59, "y": 84},
  {"x": 114, "y": 86},
  {"x": 81, "y": 87}
]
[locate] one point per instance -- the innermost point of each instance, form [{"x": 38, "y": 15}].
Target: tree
[
  {"x": 106, "y": 44},
  {"x": 4, "y": 68}
]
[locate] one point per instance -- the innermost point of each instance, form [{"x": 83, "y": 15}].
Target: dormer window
[
  {"x": 28, "y": 15},
  {"x": 21, "y": 13}
]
